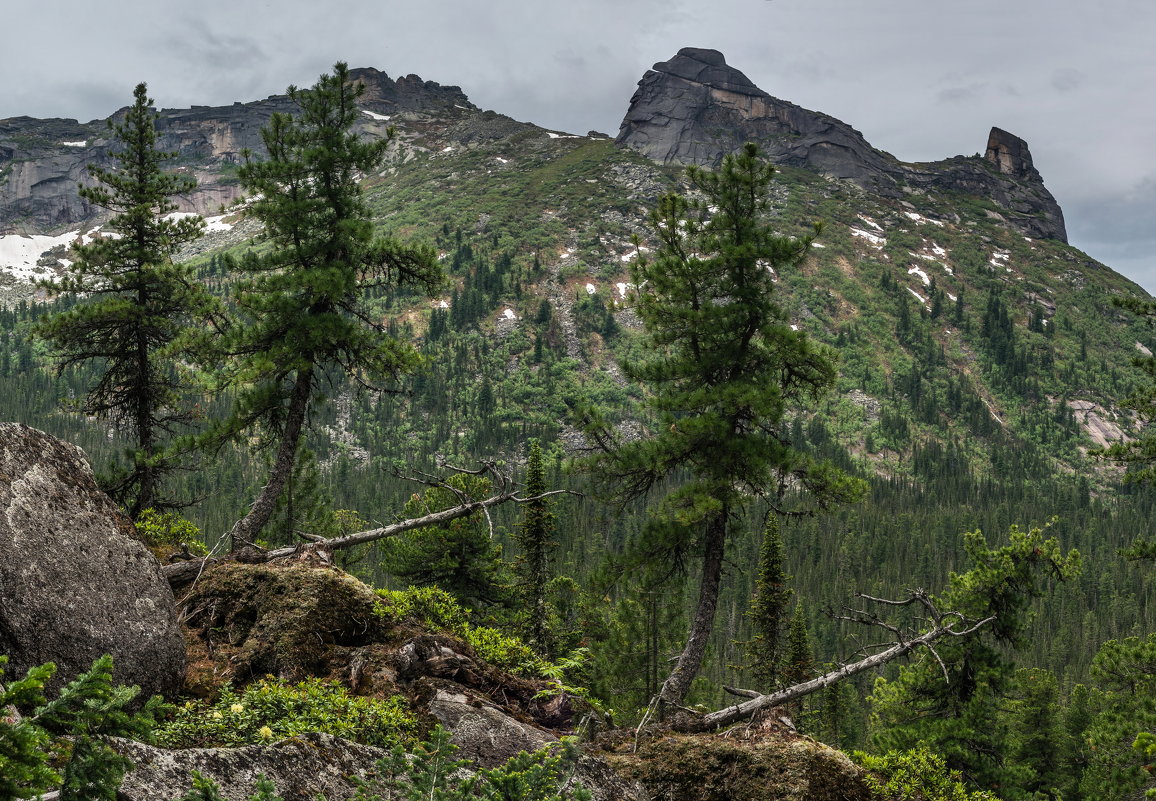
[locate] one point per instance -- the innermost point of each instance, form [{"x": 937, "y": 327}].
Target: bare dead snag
[{"x": 943, "y": 624}]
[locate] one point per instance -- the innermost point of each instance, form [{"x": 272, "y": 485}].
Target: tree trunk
[
  {"x": 246, "y": 529},
  {"x": 732, "y": 714},
  {"x": 677, "y": 684}
]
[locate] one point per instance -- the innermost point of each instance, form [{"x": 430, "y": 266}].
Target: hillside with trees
[{"x": 874, "y": 461}]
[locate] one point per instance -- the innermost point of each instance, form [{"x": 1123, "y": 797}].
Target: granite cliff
[
  {"x": 695, "y": 108},
  {"x": 43, "y": 161}
]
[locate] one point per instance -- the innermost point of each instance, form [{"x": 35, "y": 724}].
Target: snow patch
[
  {"x": 374, "y": 115},
  {"x": 443, "y": 304},
  {"x": 870, "y": 222},
  {"x": 818, "y": 245},
  {"x": 952, "y": 297},
  {"x": 448, "y": 149},
  {"x": 874, "y": 239},
  {"x": 81, "y": 143},
  {"x": 509, "y": 314},
  {"x": 19, "y": 253},
  {"x": 591, "y": 289},
  {"x": 918, "y": 297},
  {"x": 218, "y": 223},
  {"x": 919, "y": 218},
  {"x": 622, "y": 287},
  {"x": 1140, "y": 347},
  {"x": 553, "y": 135},
  {"x": 922, "y": 275},
  {"x": 501, "y": 160},
  {"x": 794, "y": 327}
]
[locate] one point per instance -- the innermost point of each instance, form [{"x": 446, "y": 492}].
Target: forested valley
[{"x": 862, "y": 440}]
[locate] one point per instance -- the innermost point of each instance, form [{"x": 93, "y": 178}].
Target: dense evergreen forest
[{"x": 1050, "y": 707}]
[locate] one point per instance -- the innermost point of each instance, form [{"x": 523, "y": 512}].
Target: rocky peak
[
  {"x": 708, "y": 67},
  {"x": 695, "y": 109},
  {"x": 408, "y": 93},
  {"x": 1010, "y": 154}
]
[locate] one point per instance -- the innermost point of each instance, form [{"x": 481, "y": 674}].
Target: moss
[
  {"x": 253, "y": 620},
  {"x": 721, "y": 768}
]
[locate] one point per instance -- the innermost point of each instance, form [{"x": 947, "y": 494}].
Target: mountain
[
  {"x": 695, "y": 108},
  {"x": 980, "y": 355}
]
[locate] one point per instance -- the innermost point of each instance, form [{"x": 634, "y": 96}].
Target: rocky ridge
[
  {"x": 695, "y": 109},
  {"x": 42, "y": 162}
]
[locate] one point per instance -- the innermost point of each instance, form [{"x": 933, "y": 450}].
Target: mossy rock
[
  {"x": 720, "y": 768},
  {"x": 245, "y": 621}
]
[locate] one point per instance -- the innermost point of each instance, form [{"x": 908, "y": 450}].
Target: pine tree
[
  {"x": 137, "y": 304},
  {"x": 535, "y": 536},
  {"x": 768, "y": 610},
  {"x": 303, "y": 300},
  {"x": 725, "y": 365}
]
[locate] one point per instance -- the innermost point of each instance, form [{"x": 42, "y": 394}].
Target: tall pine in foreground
[
  {"x": 135, "y": 306},
  {"x": 724, "y": 367},
  {"x": 303, "y": 301}
]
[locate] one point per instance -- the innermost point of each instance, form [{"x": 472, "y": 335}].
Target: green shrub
[
  {"x": 436, "y": 609},
  {"x": 270, "y": 710},
  {"x": 918, "y": 775},
  {"x": 165, "y": 528},
  {"x": 33, "y": 744},
  {"x": 433, "y": 772}
]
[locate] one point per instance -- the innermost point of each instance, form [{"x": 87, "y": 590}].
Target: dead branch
[
  {"x": 943, "y": 625},
  {"x": 182, "y": 573}
]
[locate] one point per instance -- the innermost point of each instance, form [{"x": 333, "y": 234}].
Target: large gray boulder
[{"x": 74, "y": 582}]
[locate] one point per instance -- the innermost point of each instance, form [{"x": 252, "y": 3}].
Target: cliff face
[
  {"x": 43, "y": 161},
  {"x": 694, "y": 109}
]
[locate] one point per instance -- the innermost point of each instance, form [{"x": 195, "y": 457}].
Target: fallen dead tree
[
  {"x": 321, "y": 549},
  {"x": 942, "y": 624}
]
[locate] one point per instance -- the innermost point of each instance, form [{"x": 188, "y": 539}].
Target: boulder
[
  {"x": 301, "y": 768},
  {"x": 75, "y": 583}
]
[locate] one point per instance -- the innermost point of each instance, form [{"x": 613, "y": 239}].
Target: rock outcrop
[
  {"x": 302, "y": 768},
  {"x": 695, "y": 109},
  {"x": 43, "y": 161},
  {"x": 74, "y": 582}
]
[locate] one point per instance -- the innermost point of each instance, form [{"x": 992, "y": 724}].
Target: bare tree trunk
[
  {"x": 677, "y": 684},
  {"x": 246, "y": 529},
  {"x": 182, "y": 573},
  {"x": 732, "y": 714}
]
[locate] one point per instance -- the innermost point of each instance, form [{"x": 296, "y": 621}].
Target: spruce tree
[
  {"x": 768, "y": 611},
  {"x": 136, "y": 304},
  {"x": 303, "y": 300},
  {"x": 724, "y": 366},
  {"x": 535, "y": 537}
]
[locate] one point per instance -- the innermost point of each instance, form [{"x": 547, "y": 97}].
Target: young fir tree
[
  {"x": 799, "y": 659},
  {"x": 768, "y": 610},
  {"x": 535, "y": 537},
  {"x": 302, "y": 301},
  {"x": 723, "y": 368},
  {"x": 460, "y": 556},
  {"x": 136, "y": 305}
]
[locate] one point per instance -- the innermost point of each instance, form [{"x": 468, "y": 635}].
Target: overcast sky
[{"x": 922, "y": 79}]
